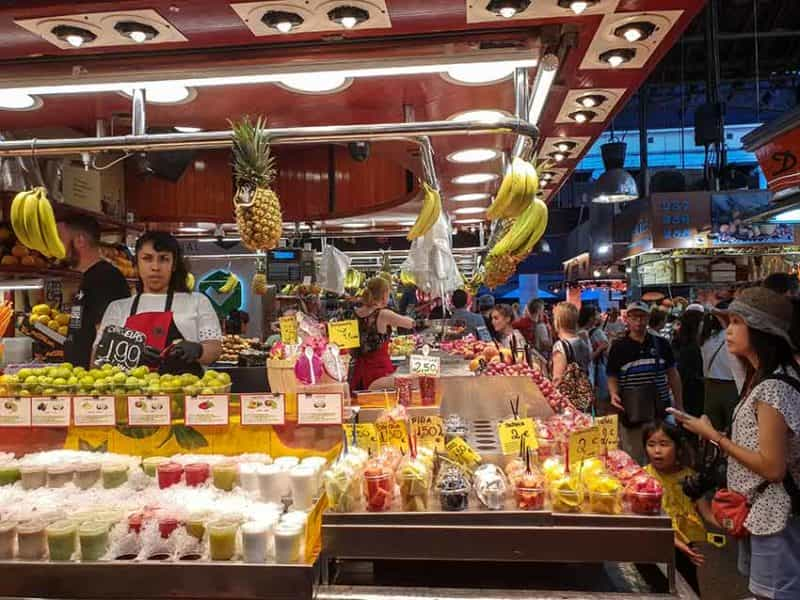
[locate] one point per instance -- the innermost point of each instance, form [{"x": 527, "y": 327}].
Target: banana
[
  {"x": 431, "y": 209},
  {"x": 229, "y": 284},
  {"x": 538, "y": 231},
  {"x": 503, "y": 196},
  {"x": 30, "y": 217},
  {"x": 47, "y": 225},
  {"x": 17, "y": 222},
  {"x": 520, "y": 233},
  {"x": 190, "y": 281}
]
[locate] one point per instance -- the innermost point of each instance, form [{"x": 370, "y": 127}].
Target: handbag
[{"x": 575, "y": 385}]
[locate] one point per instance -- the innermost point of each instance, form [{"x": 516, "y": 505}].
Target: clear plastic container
[
  {"x": 255, "y": 541},
  {"x": 454, "y": 500},
  {"x": 530, "y": 498},
  {"x": 378, "y": 490},
  {"x": 196, "y": 524},
  {"x": 644, "y": 503},
  {"x": 93, "y": 536},
  {"x": 565, "y": 500},
  {"x": 114, "y": 475},
  {"x": 222, "y": 539},
  {"x": 196, "y": 474},
  {"x": 224, "y": 475},
  {"x": 9, "y": 473},
  {"x": 86, "y": 475},
  {"x": 31, "y": 540},
  {"x": 59, "y": 475},
  {"x": 605, "y": 503},
  {"x": 33, "y": 476},
  {"x": 150, "y": 464},
  {"x": 8, "y": 537},
  {"x": 288, "y": 542},
  {"x": 303, "y": 481},
  {"x": 169, "y": 474},
  {"x": 272, "y": 483},
  {"x": 62, "y": 540}
]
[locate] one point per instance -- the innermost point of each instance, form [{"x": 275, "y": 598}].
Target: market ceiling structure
[{"x": 607, "y": 47}]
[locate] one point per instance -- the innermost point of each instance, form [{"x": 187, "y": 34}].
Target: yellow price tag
[
  {"x": 393, "y": 433},
  {"x": 288, "y": 329},
  {"x": 510, "y": 432},
  {"x": 366, "y": 436},
  {"x": 584, "y": 444},
  {"x": 462, "y": 453},
  {"x": 609, "y": 431},
  {"x": 429, "y": 432},
  {"x": 344, "y": 334}
]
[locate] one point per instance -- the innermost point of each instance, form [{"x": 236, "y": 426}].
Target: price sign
[
  {"x": 121, "y": 347},
  {"x": 462, "y": 453},
  {"x": 15, "y": 412},
  {"x": 427, "y": 366},
  {"x": 429, "y": 431},
  {"x": 510, "y": 433},
  {"x": 344, "y": 334},
  {"x": 584, "y": 444},
  {"x": 144, "y": 411},
  {"x": 288, "y": 329},
  {"x": 263, "y": 409},
  {"x": 319, "y": 409},
  {"x": 94, "y": 412},
  {"x": 367, "y": 437},
  {"x": 393, "y": 433},
  {"x": 206, "y": 410},
  {"x": 51, "y": 412},
  {"x": 609, "y": 431}
]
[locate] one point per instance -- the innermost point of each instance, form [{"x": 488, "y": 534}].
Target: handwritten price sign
[
  {"x": 585, "y": 444},
  {"x": 609, "y": 431},
  {"x": 427, "y": 366},
  {"x": 366, "y": 436},
  {"x": 344, "y": 334},
  {"x": 288, "y": 329},
  {"x": 429, "y": 432},
  {"x": 393, "y": 433},
  {"x": 510, "y": 432},
  {"x": 462, "y": 453}
]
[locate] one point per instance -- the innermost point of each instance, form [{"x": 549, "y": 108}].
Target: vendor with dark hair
[{"x": 172, "y": 317}]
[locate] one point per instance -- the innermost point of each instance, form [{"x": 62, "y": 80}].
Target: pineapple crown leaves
[{"x": 253, "y": 165}]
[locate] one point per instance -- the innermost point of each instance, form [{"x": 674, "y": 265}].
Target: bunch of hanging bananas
[
  {"x": 354, "y": 279},
  {"x": 190, "y": 282},
  {"x": 407, "y": 278},
  {"x": 229, "y": 285},
  {"x": 431, "y": 209},
  {"x": 34, "y": 223},
  {"x": 498, "y": 269},
  {"x": 526, "y": 231},
  {"x": 473, "y": 284},
  {"x": 517, "y": 191}
]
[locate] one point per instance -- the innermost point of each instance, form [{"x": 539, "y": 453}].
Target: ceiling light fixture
[
  {"x": 582, "y": 116},
  {"x": 469, "y": 197},
  {"x": 791, "y": 215},
  {"x": 545, "y": 75},
  {"x": 577, "y": 6},
  {"x": 479, "y": 73},
  {"x": 348, "y": 16},
  {"x": 282, "y": 20},
  {"x": 11, "y": 100},
  {"x": 473, "y": 155},
  {"x": 547, "y": 175},
  {"x": 187, "y": 129},
  {"x": 469, "y": 210},
  {"x": 355, "y": 225},
  {"x": 406, "y": 223},
  {"x": 558, "y": 156},
  {"x": 565, "y": 146},
  {"x": 618, "y": 56},
  {"x": 616, "y": 184},
  {"x": 192, "y": 229},
  {"x": 321, "y": 83},
  {"x": 488, "y": 116},
  {"x": 468, "y": 221},
  {"x": 473, "y": 178},
  {"x": 74, "y": 36},
  {"x": 635, "y": 32},
  {"x": 137, "y": 32},
  {"x": 596, "y": 273},
  {"x": 507, "y": 8},
  {"x": 591, "y": 100},
  {"x": 165, "y": 93},
  {"x": 603, "y": 248}
]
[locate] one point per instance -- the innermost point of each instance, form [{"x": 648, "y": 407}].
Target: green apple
[
  {"x": 67, "y": 365},
  {"x": 79, "y": 371},
  {"x": 73, "y": 380},
  {"x": 189, "y": 379},
  {"x": 87, "y": 381},
  {"x": 31, "y": 380},
  {"x": 118, "y": 378},
  {"x": 59, "y": 381},
  {"x": 140, "y": 372},
  {"x": 224, "y": 378},
  {"x": 107, "y": 367}
]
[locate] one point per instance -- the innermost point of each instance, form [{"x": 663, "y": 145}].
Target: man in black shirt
[{"x": 101, "y": 284}]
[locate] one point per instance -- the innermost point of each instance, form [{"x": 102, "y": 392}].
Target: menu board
[
  {"x": 47, "y": 411},
  {"x": 146, "y": 411},
  {"x": 15, "y": 412},
  {"x": 206, "y": 410}
]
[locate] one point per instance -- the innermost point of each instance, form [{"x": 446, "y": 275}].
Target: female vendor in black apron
[{"x": 180, "y": 324}]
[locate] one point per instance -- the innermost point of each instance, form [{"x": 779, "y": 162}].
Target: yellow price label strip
[
  {"x": 344, "y": 334},
  {"x": 510, "y": 432},
  {"x": 393, "y": 433},
  {"x": 462, "y": 453},
  {"x": 585, "y": 444},
  {"x": 609, "y": 431},
  {"x": 367, "y": 436},
  {"x": 429, "y": 431},
  {"x": 288, "y": 329}
]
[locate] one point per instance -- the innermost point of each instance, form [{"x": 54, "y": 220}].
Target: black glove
[{"x": 185, "y": 352}]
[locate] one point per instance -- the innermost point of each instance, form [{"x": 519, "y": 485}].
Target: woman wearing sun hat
[{"x": 763, "y": 447}]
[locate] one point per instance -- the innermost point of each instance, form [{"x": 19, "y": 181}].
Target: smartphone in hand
[{"x": 679, "y": 414}]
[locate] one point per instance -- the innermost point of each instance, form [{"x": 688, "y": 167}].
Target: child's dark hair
[{"x": 682, "y": 454}]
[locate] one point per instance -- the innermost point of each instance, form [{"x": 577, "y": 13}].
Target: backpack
[{"x": 575, "y": 385}]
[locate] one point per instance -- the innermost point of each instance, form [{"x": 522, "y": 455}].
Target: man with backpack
[{"x": 642, "y": 379}]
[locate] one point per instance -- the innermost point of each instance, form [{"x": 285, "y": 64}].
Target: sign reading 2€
[{"x": 223, "y": 301}]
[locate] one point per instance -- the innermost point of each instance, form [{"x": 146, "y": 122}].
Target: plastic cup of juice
[
  {"x": 114, "y": 475},
  {"x": 224, "y": 475},
  {"x": 222, "y": 539},
  {"x": 86, "y": 475},
  {"x": 169, "y": 474},
  {"x": 33, "y": 476},
  {"x": 196, "y": 474},
  {"x": 93, "y": 536},
  {"x": 31, "y": 540},
  {"x": 62, "y": 539},
  {"x": 8, "y": 536},
  {"x": 150, "y": 464}
]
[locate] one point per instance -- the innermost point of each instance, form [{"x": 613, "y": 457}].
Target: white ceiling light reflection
[
  {"x": 468, "y": 221},
  {"x": 473, "y": 155},
  {"x": 490, "y": 116},
  {"x": 479, "y": 73},
  {"x": 469, "y": 210},
  {"x": 319, "y": 83},
  {"x": 356, "y": 225},
  {"x": 11, "y": 100},
  {"x": 469, "y": 197},
  {"x": 474, "y": 178},
  {"x": 165, "y": 93}
]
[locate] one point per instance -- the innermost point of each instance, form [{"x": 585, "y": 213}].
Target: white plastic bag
[
  {"x": 431, "y": 260},
  {"x": 333, "y": 269}
]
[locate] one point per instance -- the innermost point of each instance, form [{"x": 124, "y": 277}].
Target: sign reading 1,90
[{"x": 121, "y": 347}]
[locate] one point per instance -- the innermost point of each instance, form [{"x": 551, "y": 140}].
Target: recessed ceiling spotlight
[
  {"x": 469, "y": 197},
  {"x": 591, "y": 100},
  {"x": 473, "y": 155},
  {"x": 469, "y": 210},
  {"x": 281, "y": 20},
  {"x": 348, "y": 16},
  {"x": 618, "y": 56},
  {"x": 489, "y": 116},
  {"x": 138, "y": 32},
  {"x": 558, "y": 156},
  {"x": 74, "y": 36},
  {"x": 577, "y": 6},
  {"x": 507, "y": 8},
  {"x": 565, "y": 146},
  {"x": 582, "y": 116},
  {"x": 635, "y": 32},
  {"x": 479, "y": 73},
  {"x": 11, "y": 100},
  {"x": 472, "y": 178}
]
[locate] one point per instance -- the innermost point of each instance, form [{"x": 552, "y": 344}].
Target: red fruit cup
[
  {"x": 135, "y": 522},
  {"x": 529, "y": 498},
  {"x": 197, "y": 474},
  {"x": 427, "y": 390},
  {"x": 378, "y": 490},
  {"x": 169, "y": 474},
  {"x": 166, "y": 525},
  {"x": 403, "y": 385},
  {"x": 644, "y": 503}
]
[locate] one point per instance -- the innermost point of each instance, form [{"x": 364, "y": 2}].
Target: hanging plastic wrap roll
[
  {"x": 333, "y": 269},
  {"x": 431, "y": 261}
]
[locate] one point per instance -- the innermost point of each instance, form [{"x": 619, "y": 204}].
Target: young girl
[{"x": 666, "y": 454}]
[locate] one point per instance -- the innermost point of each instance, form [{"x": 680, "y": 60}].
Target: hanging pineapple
[{"x": 257, "y": 207}]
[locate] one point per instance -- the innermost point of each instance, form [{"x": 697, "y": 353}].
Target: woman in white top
[
  {"x": 764, "y": 446},
  {"x": 172, "y": 318},
  {"x": 722, "y": 373}
]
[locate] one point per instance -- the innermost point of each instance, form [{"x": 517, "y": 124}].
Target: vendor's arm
[{"x": 389, "y": 318}]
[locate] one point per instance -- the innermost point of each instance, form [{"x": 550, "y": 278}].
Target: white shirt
[
  {"x": 193, "y": 314},
  {"x": 719, "y": 363}
]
